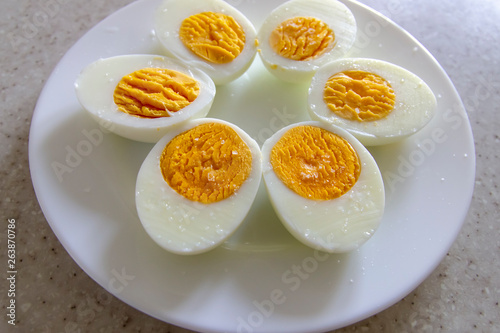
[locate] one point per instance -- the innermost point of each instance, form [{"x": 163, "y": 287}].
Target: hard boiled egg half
[
  {"x": 141, "y": 97},
  {"x": 377, "y": 101},
  {"x": 197, "y": 185},
  {"x": 324, "y": 185},
  {"x": 299, "y": 36},
  {"x": 209, "y": 34}
]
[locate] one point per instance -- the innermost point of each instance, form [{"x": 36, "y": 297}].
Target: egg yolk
[
  {"x": 301, "y": 38},
  {"x": 207, "y": 163},
  {"x": 315, "y": 163},
  {"x": 155, "y": 92},
  {"x": 215, "y": 37},
  {"x": 359, "y": 95}
]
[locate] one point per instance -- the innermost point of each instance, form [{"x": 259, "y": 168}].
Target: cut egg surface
[
  {"x": 141, "y": 97},
  {"x": 324, "y": 185},
  {"x": 376, "y": 101},
  {"x": 197, "y": 184},
  {"x": 211, "y": 35},
  {"x": 299, "y": 36}
]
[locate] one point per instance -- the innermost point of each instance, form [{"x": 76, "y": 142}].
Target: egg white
[
  {"x": 338, "y": 225},
  {"x": 96, "y": 84},
  {"x": 414, "y": 107},
  {"x": 332, "y": 12},
  {"x": 180, "y": 225},
  {"x": 168, "y": 19}
]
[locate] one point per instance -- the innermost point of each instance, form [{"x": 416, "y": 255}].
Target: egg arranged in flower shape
[
  {"x": 324, "y": 185},
  {"x": 197, "y": 185},
  {"x": 376, "y": 101},
  {"x": 210, "y": 34},
  {"x": 141, "y": 97},
  {"x": 299, "y": 36}
]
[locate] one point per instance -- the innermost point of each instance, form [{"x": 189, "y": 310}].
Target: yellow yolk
[
  {"x": 301, "y": 38},
  {"x": 207, "y": 163},
  {"x": 315, "y": 163},
  {"x": 154, "y": 92},
  {"x": 215, "y": 37},
  {"x": 359, "y": 95}
]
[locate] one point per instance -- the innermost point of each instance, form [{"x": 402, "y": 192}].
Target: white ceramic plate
[{"x": 261, "y": 279}]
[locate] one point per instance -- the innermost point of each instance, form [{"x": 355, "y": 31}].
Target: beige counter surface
[{"x": 53, "y": 294}]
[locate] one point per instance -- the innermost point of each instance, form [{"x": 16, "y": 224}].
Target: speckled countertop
[{"x": 54, "y": 295}]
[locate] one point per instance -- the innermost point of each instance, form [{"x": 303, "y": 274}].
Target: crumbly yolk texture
[
  {"x": 315, "y": 163},
  {"x": 155, "y": 92},
  {"x": 359, "y": 95},
  {"x": 207, "y": 163},
  {"x": 215, "y": 37},
  {"x": 301, "y": 38}
]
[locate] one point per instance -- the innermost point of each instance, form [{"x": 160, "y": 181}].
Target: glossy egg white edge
[
  {"x": 180, "y": 225},
  {"x": 335, "y": 226},
  {"x": 96, "y": 84},
  {"x": 334, "y": 13},
  {"x": 415, "y": 103},
  {"x": 167, "y": 21}
]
